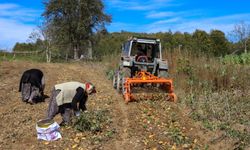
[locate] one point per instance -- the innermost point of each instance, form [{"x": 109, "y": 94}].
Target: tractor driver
[{"x": 141, "y": 54}]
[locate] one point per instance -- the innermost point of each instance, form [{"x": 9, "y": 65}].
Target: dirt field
[{"x": 146, "y": 124}]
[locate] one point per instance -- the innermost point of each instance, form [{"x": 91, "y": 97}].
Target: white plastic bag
[{"x": 50, "y": 133}]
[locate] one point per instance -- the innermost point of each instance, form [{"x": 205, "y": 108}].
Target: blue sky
[{"x": 18, "y": 18}]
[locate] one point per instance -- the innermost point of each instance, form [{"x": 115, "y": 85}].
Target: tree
[
  {"x": 242, "y": 33},
  {"x": 219, "y": 43},
  {"x": 45, "y": 31},
  {"x": 73, "y": 22},
  {"x": 202, "y": 41},
  {"x": 24, "y": 47}
]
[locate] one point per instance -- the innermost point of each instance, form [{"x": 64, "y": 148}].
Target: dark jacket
[{"x": 32, "y": 76}]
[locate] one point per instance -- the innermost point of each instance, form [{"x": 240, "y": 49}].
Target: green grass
[{"x": 12, "y": 57}]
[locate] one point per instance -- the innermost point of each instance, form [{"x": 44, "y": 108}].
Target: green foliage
[
  {"x": 220, "y": 46},
  {"x": 244, "y": 58},
  {"x": 184, "y": 66},
  {"x": 199, "y": 42},
  {"x": 106, "y": 44},
  {"x": 243, "y": 137},
  {"x": 177, "y": 136},
  {"x": 30, "y": 57},
  {"x": 92, "y": 121},
  {"x": 202, "y": 42},
  {"x": 110, "y": 74},
  {"x": 28, "y": 46}
]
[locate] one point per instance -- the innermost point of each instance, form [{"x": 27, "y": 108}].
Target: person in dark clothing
[
  {"x": 32, "y": 85},
  {"x": 68, "y": 97}
]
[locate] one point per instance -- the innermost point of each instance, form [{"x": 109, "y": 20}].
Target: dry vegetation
[{"x": 216, "y": 94}]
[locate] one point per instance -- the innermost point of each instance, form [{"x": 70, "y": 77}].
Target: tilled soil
[{"x": 152, "y": 123}]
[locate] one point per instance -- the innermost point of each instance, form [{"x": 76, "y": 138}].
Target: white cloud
[
  {"x": 166, "y": 21},
  {"x": 16, "y": 23},
  {"x": 183, "y": 24},
  {"x": 154, "y": 14},
  {"x": 140, "y": 5},
  {"x": 12, "y": 31},
  {"x": 224, "y": 23},
  {"x": 17, "y": 12},
  {"x": 169, "y": 14}
]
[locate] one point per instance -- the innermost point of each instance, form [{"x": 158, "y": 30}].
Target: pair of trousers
[{"x": 65, "y": 110}]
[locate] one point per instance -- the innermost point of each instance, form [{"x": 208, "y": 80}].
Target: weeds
[
  {"x": 92, "y": 121},
  {"x": 216, "y": 91},
  {"x": 237, "y": 59},
  {"x": 176, "y": 135}
]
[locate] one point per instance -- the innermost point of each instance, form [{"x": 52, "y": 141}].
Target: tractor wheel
[
  {"x": 123, "y": 86},
  {"x": 126, "y": 74},
  {"x": 119, "y": 82},
  {"x": 115, "y": 81},
  {"x": 163, "y": 73}
]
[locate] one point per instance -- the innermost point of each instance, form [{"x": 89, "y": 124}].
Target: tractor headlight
[{"x": 126, "y": 63}]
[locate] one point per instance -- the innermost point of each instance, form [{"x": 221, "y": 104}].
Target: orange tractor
[{"x": 142, "y": 66}]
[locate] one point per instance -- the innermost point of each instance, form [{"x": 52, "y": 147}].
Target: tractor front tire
[{"x": 119, "y": 82}]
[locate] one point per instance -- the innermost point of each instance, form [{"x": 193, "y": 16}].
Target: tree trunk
[
  {"x": 48, "y": 53},
  {"x": 90, "y": 50},
  {"x": 66, "y": 57},
  {"x": 76, "y": 53}
]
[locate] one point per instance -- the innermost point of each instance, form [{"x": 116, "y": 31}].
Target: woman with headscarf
[
  {"x": 32, "y": 85},
  {"x": 69, "y": 96}
]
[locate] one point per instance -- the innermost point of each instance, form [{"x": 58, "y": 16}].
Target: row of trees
[
  {"x": 213, "y": 43},
  {"x": 103, "y": 43}
]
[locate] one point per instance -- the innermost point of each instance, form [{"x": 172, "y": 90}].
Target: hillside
[{"x": 146, "y": 124}]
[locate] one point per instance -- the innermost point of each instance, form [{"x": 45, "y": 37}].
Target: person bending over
[{"x": 68, "y": 97}]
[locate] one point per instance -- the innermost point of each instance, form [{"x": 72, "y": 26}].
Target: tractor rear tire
[
  {"x": 119, "y": 82},
  {"x": 126, "y": 74},
  {"x": 115, "y": 81}
]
